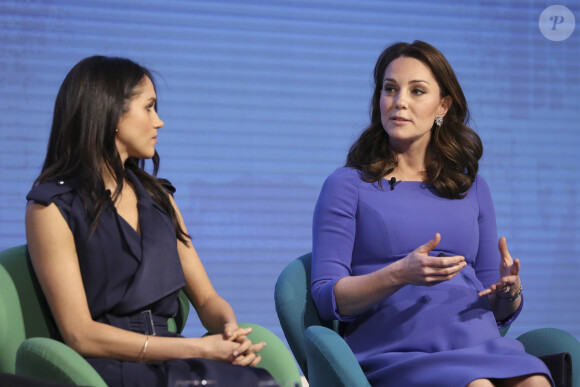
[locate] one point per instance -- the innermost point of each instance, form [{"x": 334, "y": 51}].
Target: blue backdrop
[{"x": 261, "y": 100}]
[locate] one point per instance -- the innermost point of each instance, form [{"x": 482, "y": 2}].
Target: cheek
[{"x": 385, "y": 105}]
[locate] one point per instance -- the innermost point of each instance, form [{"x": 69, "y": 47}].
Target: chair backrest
[
  {"x": 21, "y": 313},
  {"x": 23, "y": 309},
  {"x": 295, "y": 307}
]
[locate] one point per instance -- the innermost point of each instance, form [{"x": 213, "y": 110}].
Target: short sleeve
[
  {"x": 167, "y": 186},
  {"x": 59, "y": 192},
  {"x": 334, "y": 227},
  {"x": 45, "y": 192}
]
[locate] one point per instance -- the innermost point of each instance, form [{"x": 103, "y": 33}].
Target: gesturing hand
[
  {"x": 418, "y": 268},
  {"x": 509, "y": 270}
]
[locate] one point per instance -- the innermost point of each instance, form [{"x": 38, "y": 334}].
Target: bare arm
[
  {"x": 215, "y": 313},
  {"x": 356, "y": 294},
  {"x": 53, "y": 254}
]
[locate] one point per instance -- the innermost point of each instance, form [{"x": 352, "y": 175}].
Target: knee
[{"x": 481, "y": 383}]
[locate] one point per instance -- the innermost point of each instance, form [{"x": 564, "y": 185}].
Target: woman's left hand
[
  {"x": 233, "y": 332},
  {"x": 509, "y": 270}
]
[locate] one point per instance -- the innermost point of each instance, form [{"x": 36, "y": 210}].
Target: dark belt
[{"x": 143, "y": 322}]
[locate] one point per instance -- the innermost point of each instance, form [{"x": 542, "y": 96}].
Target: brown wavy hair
[{"x": 454, "y": 150}]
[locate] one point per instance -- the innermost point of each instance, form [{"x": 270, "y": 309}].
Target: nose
[
  {"x": 157, "y": 123},
  {"x": 400, "y": 102}
]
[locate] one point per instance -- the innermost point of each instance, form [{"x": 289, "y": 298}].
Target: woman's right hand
[{"x": 419, "y": 268}]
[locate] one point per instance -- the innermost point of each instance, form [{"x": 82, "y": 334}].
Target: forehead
[
  {"x": 405, "y": 69},
  {"x": 145, "y": 89}
]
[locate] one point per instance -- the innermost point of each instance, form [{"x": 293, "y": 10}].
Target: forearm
[
  {"x": 503, "y": 308},
  {"x": 215, "y": 313},
  {"x": 357, "y": 294},
  {"x": 96, "y": 339}
]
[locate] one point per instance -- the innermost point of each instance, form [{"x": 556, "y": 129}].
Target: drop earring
[{"x": 439, "y": 121}]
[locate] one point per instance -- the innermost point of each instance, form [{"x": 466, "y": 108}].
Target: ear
[{"x": 444, "y": 106}]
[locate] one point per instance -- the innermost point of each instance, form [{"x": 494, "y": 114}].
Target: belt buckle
[{"x": 148, "y": 318}]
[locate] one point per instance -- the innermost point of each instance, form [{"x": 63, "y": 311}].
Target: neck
[{"x": 410, "y": 167}]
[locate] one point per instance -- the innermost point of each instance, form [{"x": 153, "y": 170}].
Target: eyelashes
[{"x": 392, "y": 90}]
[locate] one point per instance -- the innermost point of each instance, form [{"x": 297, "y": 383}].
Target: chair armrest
[
  {"x": 51, "y": 360},
  {"x": 330, "y": 360},
  {"x": 548, "y": 341},
  {"x": 276, "y": 357}
]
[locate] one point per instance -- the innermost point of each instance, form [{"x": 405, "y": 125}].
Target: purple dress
[
  {"x": 443, "y": 335},
  {"x": 132, "y": 282}
]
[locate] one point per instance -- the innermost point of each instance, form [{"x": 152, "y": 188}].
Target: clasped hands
[
  {"x": 420, "y": 268},
  {"x": 245, "y": 353}
]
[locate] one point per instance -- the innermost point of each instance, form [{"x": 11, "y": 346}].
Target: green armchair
[
  {"x": 326, "y": 359},
  {"x": 26, "y": 348}
]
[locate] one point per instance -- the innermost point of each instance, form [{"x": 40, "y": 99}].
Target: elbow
[
  {"x": 324, "y": 300},
  {"x": 76, "y": 342},
  {"x": 78, "y": 339}
]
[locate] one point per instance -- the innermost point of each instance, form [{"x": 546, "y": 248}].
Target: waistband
[{"x": 143, "y": 322}]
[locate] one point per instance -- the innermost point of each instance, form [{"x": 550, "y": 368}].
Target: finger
[
  {"x": 235, "y": 334},
  {"x": 516, "y": 267},
  {"x": 242, "y": 335},
  {"x": 257, "y": 347},
  {"x": 229, "y": 329},
  {"x": 245, "y": 360},
  {"x": 243, "y": 347},
  {"x": 427, "y": 247},
  {"x": 455, "y": 260},
  {"x": 493, "y": 288},
  {"x": 438, "y": 277},
  {"x": 257, "y": 360},
  {"x": 503, "y": 249},
  {"x": 443, "y": 270}
]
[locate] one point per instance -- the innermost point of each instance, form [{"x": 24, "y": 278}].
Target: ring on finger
[{"x": 507, "y": 289}]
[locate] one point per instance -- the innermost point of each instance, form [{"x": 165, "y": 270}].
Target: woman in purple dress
[
  {"x": 405, "y": 242},
  {"x": 109, "y": 246}
]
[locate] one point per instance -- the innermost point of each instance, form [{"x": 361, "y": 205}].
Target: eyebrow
[{"x": 410, "y": 82}]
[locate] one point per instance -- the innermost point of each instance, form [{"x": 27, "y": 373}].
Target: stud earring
[
  {"x": 116, "y": 131},
  {"x": 439, "y": 120}
]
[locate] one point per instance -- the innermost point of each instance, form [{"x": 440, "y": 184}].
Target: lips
[{"x": 397, "y": 118}]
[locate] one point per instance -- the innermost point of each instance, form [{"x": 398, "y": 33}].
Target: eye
[
  {"x": 418, "y": 91},
  {"x": 150, "y": 107},
  {"x": 389, "y": 89}
]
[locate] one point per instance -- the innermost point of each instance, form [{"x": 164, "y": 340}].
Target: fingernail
[{"x": 235, "y": 353}]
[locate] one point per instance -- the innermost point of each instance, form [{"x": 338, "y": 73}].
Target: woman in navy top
[{"x": 109, "y": 246}]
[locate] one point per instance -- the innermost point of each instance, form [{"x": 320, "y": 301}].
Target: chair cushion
[
  {"x": 276, "y": 358},
  {"x": 52, "y": 360},
  {"x": 330, "y": 359}
]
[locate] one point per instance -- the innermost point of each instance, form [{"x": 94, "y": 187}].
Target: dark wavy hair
[
  {"x": 454, "y": 149},
  {"x": 94, "y": 95}
]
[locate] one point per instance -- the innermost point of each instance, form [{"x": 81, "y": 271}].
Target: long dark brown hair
[
  {"x": 454, "y": 150},
  {"x": 94, "y": 95}
]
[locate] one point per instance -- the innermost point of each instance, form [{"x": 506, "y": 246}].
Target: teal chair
[
  {"x": 325, "y": 358},
  {"x": 26, "y": 348}
]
